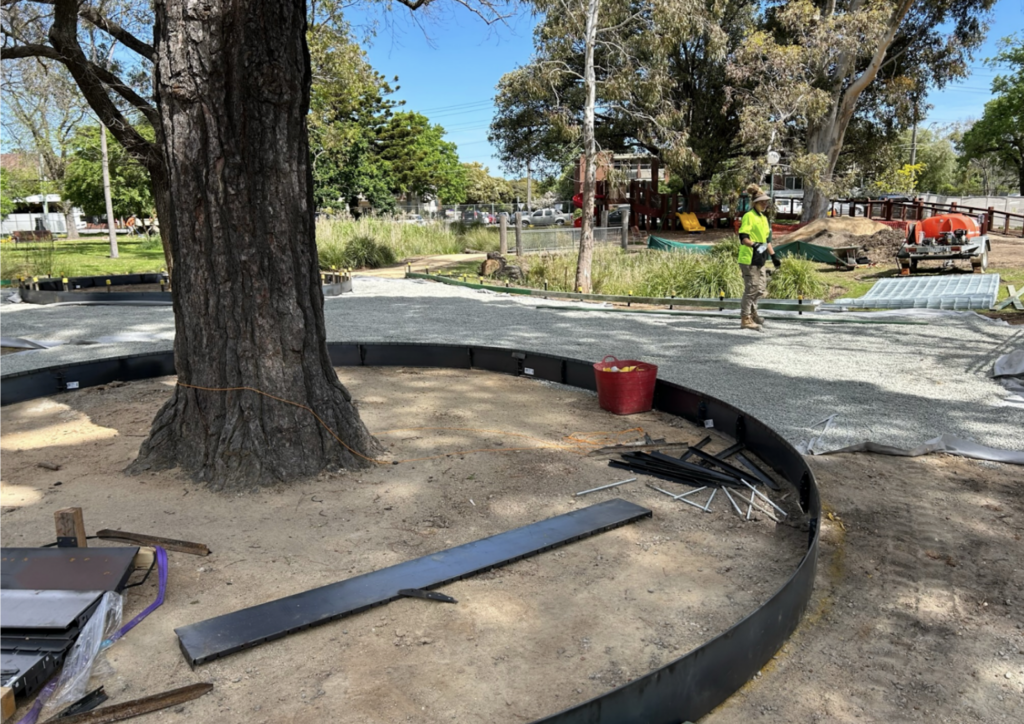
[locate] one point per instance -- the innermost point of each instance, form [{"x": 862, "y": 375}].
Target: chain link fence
[{"x": 562, "y": 238}]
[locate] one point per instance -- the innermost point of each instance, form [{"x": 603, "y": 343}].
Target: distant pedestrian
[{"x": 755, "y": 248}]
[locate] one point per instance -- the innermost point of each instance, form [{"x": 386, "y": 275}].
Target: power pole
[
  {"x": 42, "y": 191},
  {"x": 913, "y": 139},
  {"x": 106, "y": 192}
]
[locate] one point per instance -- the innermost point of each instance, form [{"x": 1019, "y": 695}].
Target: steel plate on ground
[
  {"x": 67, "y": 569},
  {"x": 210, "y": 639},
  {"x": 50, "y": 610}
]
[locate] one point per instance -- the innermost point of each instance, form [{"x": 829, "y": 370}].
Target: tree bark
[
  {"x": 586, "y": 257},
  {"x": 232, "y": 82},
  {"x": 69, "y": 221}
]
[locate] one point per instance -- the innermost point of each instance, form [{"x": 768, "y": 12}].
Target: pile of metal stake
[{"x": 712, "y": 472}]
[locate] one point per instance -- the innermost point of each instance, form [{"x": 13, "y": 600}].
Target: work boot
[
  {"x": 749, "y": 323},
  {"x": 758, "y": 319}
]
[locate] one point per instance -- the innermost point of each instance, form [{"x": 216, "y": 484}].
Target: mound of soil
[
  {"x": 881, "y": 244},
  {"x": 839, "y": 225}
]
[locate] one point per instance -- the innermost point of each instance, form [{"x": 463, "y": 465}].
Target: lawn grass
[{"x": 81, "y": 257}]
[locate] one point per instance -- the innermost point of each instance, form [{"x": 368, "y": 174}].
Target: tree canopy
[
  {"x": 998, "y": 136},
  {"x": 130, "y": 189},
  {"x": 418, "y": 161}
]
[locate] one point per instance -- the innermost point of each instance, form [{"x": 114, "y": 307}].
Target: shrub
[
  {"x": 796, "y": 276},
  {"x": 365, "y": 252},
  {"x": 715, "y": 273}
]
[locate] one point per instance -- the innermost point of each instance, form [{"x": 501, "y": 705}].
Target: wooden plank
[
  {"x": 70, "y": 525},
  {"x": 144, "y": 559},
  {"x": 171, "y": 544},
  {"x": 138, "y": 707},
  {"x": 7, "y": 705}
]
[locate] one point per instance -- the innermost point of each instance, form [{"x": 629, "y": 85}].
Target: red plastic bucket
[{"x": 625, "y": 393}]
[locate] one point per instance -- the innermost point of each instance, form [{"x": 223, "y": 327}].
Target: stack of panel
[{"x": 46, "y": 596}]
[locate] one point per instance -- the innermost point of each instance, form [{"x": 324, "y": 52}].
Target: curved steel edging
[{"x": 683, "y": 690}]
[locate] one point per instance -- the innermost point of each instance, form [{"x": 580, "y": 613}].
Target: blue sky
[{"x": 448, "y": 62}]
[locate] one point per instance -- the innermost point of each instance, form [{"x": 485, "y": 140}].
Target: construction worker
[{"x": 755, "y": 248}]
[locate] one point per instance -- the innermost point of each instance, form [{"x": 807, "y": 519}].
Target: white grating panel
[{"x": 963, "y": 291}]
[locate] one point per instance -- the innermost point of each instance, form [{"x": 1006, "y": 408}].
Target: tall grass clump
[
  {"x": 797, "y": 276},
  {"x": 362, "y": 252},
  {"x": 402, "y": 240},
  {"x": 644, "y": 274}
]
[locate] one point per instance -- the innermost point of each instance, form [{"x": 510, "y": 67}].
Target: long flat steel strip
[{"x": 215, "y": 637}]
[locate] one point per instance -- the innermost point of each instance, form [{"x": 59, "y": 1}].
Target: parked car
[
  {"x": 548, "y": 217},
  {"x": 472, "y": 216}
]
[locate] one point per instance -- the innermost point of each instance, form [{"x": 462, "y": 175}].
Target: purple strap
[
  {"x": 33, "y": 714},
  {"x": 161, "y": 564}
]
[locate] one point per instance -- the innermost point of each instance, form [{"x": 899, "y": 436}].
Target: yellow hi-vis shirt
[{"x": 756, "y": 226}]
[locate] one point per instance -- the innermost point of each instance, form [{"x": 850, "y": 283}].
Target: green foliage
[
  {"x": 645, "y": 274},
  {"x": 999, "y": 133},
  {"x": 6, "y": 200},
  {"x": 129, "y": 182},
  {"x": 805, "y": 73},
  {"x": 419, "y": 161},
  {"x": 797, "y": 276},
  {"x": 401, "y": 241},
  {"x": 523, "y": 130},
  {"x": 361, "y": 252},
  {"x": 348, "y": 108},
  {"x": 482, "y": 188}
]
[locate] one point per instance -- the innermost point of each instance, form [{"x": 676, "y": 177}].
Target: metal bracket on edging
[{"x": 683, "y": 690}]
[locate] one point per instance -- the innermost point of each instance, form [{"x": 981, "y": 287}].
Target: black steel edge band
[
  {"x": 53, "y": 284},
  {"x": 33, "y": 296},
  {"x": 685, "y": 689}
]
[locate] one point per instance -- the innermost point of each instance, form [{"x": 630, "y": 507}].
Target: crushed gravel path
[{"x": 896, "y": 384}]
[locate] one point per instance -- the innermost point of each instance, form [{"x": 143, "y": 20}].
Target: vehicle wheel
[
  {"x": 560, "y": 222},
  {"x": 979, "y": 263}
]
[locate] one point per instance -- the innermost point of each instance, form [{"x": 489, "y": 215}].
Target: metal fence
[
  {"x": 562, "y": 238},
  {"x": 458, "y": 212}
]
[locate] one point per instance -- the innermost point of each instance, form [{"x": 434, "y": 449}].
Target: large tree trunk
[
  {"x": 233, "y": 81},
  {"x": 586, "y": 257}
]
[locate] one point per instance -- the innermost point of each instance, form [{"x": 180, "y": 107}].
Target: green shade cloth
[
  {"x": 814, "y": 252},
  {"x": 654, "y": 242}
]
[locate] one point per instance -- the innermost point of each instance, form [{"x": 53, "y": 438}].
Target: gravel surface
[{"x": 897, "y": 384}]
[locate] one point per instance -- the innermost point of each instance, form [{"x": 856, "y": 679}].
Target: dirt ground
[
  {"x": 916, "y": 615},
  {"x": 523, "y": 641}
]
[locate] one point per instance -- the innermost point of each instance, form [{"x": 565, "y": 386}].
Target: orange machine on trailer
[{"x": 944, "y": 238}]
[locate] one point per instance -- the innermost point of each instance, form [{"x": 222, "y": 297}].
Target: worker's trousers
[{"x": 753, "y": 288}]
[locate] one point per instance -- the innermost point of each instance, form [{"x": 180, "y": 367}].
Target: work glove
[{"x": 776, "y": 261}]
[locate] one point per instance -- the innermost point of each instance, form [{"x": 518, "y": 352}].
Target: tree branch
[
  {"x": 116, "y": 31},
  {"x": 64, "y": 38},
  {"x": 103, "y": 75}
]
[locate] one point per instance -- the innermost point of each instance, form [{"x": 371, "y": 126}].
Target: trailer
[{"x": 947, "y": 237}]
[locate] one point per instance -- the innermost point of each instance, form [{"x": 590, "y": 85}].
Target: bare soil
[
  {"x": 523, "y": 641},
  {"x": 917, "y": 613}
]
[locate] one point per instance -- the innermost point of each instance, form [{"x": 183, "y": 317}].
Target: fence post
[
  {"x": 887, "y": 210},
  {"x": 604, "y": 218},
  {"x": 503, "y": 234},
  {"x": 990, "y": 219},
  {"x": 519, "y": 233},
  {"x": 625, "y": 229}
]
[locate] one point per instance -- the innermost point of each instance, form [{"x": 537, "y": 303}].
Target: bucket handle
[{"x": 609, "y": 357}]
